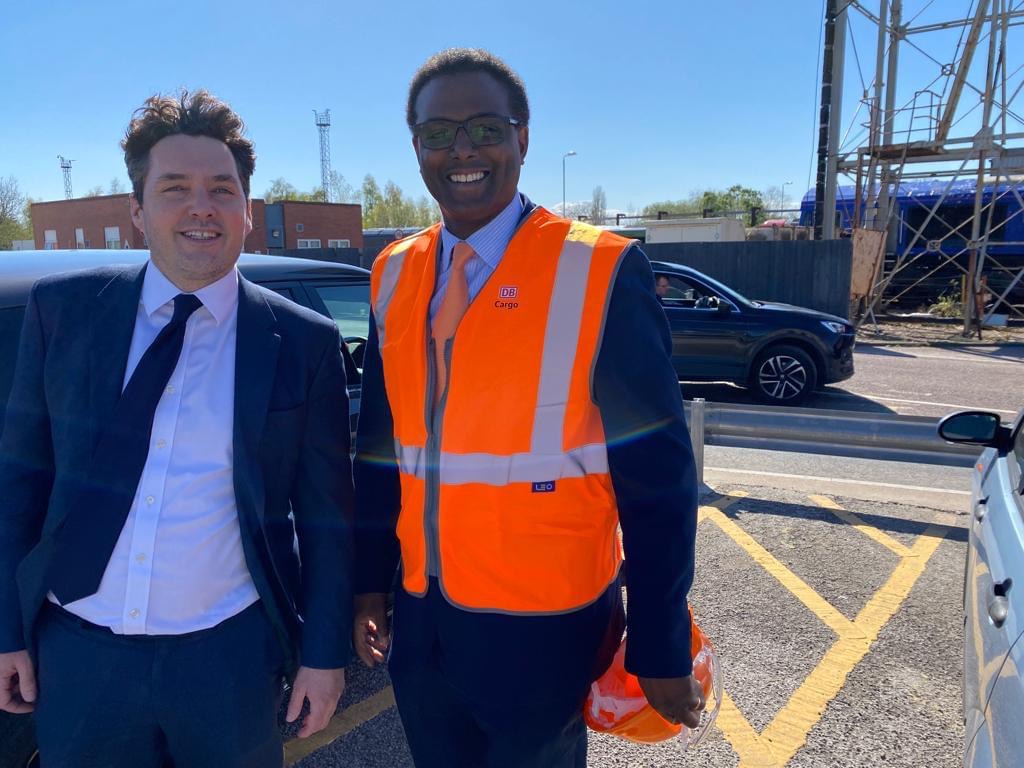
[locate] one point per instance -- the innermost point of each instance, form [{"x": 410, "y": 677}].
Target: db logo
[{"x": 508, "y": 292}]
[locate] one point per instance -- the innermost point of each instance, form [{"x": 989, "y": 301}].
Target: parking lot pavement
[{"x": 838, "y": 625}]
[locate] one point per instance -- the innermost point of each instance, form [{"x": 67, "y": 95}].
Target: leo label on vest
[{"x": 548, "y": 486}]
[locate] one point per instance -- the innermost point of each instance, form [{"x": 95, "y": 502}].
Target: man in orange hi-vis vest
[{"x": 518, "y": 406}]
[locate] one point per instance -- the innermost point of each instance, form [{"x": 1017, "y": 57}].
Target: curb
[{"x": 945, "y": 344}]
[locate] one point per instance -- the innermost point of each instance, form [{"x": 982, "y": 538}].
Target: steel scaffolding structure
[
  {"x": 959, "y": 124},
  {"x": 323, "y": 124}
]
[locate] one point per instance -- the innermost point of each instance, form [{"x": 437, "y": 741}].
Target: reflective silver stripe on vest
[
  {"x": 388, "y": 282},
  {"x": 491, "y": 469},
  {"x": 561, "y": 337}
]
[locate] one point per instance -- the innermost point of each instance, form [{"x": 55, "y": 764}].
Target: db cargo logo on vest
[{"x": 507, "y": 295}]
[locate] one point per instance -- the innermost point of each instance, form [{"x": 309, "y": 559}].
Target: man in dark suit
[
  {"x": 490, "y": 661},
  {"x": 172, "y": 431}
]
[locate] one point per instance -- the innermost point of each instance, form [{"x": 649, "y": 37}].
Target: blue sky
[{"x": 657, "y": 98}]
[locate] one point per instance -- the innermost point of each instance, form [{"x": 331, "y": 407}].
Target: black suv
[
  {"x": 781, "y": 352},
  {"x": 338, "y": 291}
]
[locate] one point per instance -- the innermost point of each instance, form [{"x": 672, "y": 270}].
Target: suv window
[
  {"x": 349, "y": 307},
  {"x": 1018, "y": 454},
  {"x": 678, "y": 292}
]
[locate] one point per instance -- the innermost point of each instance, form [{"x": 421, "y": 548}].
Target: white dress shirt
[{"x": 178, "y": 565}]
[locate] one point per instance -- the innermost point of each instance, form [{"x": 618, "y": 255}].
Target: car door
[
  {"x": 994, "y": 621},
  {"x": 707, "y": 344}
]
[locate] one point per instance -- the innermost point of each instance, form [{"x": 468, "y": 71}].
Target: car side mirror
[
  {"x": 724, "y": 307},
  {"x": 973, "y": 428}
]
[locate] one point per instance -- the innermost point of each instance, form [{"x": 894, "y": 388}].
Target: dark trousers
[
  {"x": 479, "y": 690},
  {"x": 207, "y": 698}
]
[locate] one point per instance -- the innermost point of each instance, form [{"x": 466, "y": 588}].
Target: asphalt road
[
  {"x": 914, "y": 381},
  {"x": 837, "y": 624}
]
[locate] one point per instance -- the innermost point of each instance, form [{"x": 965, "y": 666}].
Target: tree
[
  {"x": 96, "y": 191},
  {"x": 598, "y": 206},
  {"x": 341, "y": 190},
  {"x": 116, "y": 187},
  {"x": 736, "y": 198},
  {"x": 371, "y": 199},
  {"x": 14, "y": 221}
]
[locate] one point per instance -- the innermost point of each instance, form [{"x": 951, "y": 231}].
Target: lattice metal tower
[
  {"x": 958, "y": 128},
  {"x": 323, "y": 123},
  {"x": 65, "y": 166}
]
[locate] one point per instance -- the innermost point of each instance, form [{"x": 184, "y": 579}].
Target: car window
[
  {"x": 10, "y": 332},
  {"x": 1018, "y": 454},
  {"x": 288, "y": 293},
  {"x": 675, "y": 291},
  {"x": 349, "y": 307}
]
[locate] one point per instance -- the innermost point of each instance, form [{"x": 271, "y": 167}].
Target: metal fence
[
  {"x": 814, "y": 274},
  {"x": 885, "y": 437}
]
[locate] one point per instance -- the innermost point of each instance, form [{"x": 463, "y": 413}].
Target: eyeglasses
[{"x": 483, "y": 130}]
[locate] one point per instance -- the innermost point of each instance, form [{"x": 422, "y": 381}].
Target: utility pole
[
  {"x": 323, "y": 123},
  {"x": 65, "y": 166},
  {"x": 828, "y": 125}
]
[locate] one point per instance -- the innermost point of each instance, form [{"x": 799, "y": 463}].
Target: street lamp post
[
  {"x": 784, "y": 184},
  {"x": 570, "y": 153}
]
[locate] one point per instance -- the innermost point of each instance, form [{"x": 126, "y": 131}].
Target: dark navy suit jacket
[
  {"x": 291, "y": 451},
  {"x": 652, "y": 470}
]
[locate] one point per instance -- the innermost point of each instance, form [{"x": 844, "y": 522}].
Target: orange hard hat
[{"x": 617, "y": 705}]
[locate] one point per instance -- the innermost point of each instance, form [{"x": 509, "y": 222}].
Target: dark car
[
  {"x": 781, "y": 352},
  {"x": 993, "y": 595},
  {"x": 338, "y": 291}
]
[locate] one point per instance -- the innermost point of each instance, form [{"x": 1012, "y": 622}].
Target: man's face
[
  {"x": 492, "y": 171},
  {"x": 194, "y": 214},
  {"x": 661, "y": 286}
]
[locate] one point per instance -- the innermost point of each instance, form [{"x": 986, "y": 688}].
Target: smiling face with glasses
[{"x": 470, "y": 151}]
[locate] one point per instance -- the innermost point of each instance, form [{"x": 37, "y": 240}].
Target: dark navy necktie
[{"x": 90, "y": 531}]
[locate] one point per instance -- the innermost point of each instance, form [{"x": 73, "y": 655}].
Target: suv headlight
[{"x": 835, "y": 327}]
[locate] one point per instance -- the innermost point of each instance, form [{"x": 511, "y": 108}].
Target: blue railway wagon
[{"x": 942, "y": 234}]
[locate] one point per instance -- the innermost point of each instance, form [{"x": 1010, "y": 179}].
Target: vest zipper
[{"x": 433, "y": 459}]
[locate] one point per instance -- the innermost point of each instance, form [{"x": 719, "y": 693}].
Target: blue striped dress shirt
[{"x": 489, "y": 242}]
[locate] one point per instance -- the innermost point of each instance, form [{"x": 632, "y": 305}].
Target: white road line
[
  {"x": 965, "y": 357},
  {"x": 835, "y": 480},
  {"x": 917, "y": 402}
]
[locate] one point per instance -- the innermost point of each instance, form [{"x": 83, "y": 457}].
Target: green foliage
[
  {"x": 947, "y": 305},
  {"x": 393, "y": 208},
  {"x": 718, "y": 202},
  {"x": 15, "y": 223}
]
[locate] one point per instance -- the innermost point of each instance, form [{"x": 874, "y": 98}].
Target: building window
[
  {"x": 309, "y": 243},
  {"x": 80, "y": 238},
  {"x": 112, "y": 237},
  {"x": 50, "y": 239},
  {"x": 333, "y": 243},
  {"x": 300, "y": 227}
]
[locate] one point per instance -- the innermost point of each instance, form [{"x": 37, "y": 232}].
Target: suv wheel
[{"x": 783, "y": 375}]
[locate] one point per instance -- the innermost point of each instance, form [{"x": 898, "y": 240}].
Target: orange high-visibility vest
[{"x": 506, "y": 496}]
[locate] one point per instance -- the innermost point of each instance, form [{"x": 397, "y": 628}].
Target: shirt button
[
  {"x": 134, "y": 613},
  {"x": 170, "y": 389},
  {"x": 161, "y": 443},
  {"x": 150, "y": 499},
  {"x": 141, "y": 557}
]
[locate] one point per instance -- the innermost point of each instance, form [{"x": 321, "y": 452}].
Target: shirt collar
[
  {"x": 219, "y": 297},
  {"x": 491, "y": 240}
]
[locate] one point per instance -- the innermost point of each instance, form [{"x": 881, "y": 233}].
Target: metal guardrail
[{"x": 855, "y": 434}]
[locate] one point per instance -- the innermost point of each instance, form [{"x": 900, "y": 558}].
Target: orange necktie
[{"x": 453, "y": 307}]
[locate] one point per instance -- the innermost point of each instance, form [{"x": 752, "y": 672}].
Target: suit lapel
[
  {"x": 111, "y": 326},
  {"x": 255, "y": 366}
]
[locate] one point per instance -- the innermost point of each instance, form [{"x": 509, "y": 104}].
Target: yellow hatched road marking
[
  {"x": 871, "y": 532},
  {"x": 801, "y": 591},
  {"x": 787, "y": 733},
  {"x": 345, "y": 721}
]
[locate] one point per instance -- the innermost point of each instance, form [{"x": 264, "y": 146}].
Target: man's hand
[
  {"x": 370, "y": 632},
  {"x": 677, "y": 699},
  {"x": 17, "y": 683},
  {"x": 322, "y": 688}
]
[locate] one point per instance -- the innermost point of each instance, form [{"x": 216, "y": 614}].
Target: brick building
[{"x": 105, "y": 222}]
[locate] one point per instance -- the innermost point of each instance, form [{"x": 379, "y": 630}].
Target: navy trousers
[
  {"x": 207, "y": 698},
  {"x": 478, "y": 690}
]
